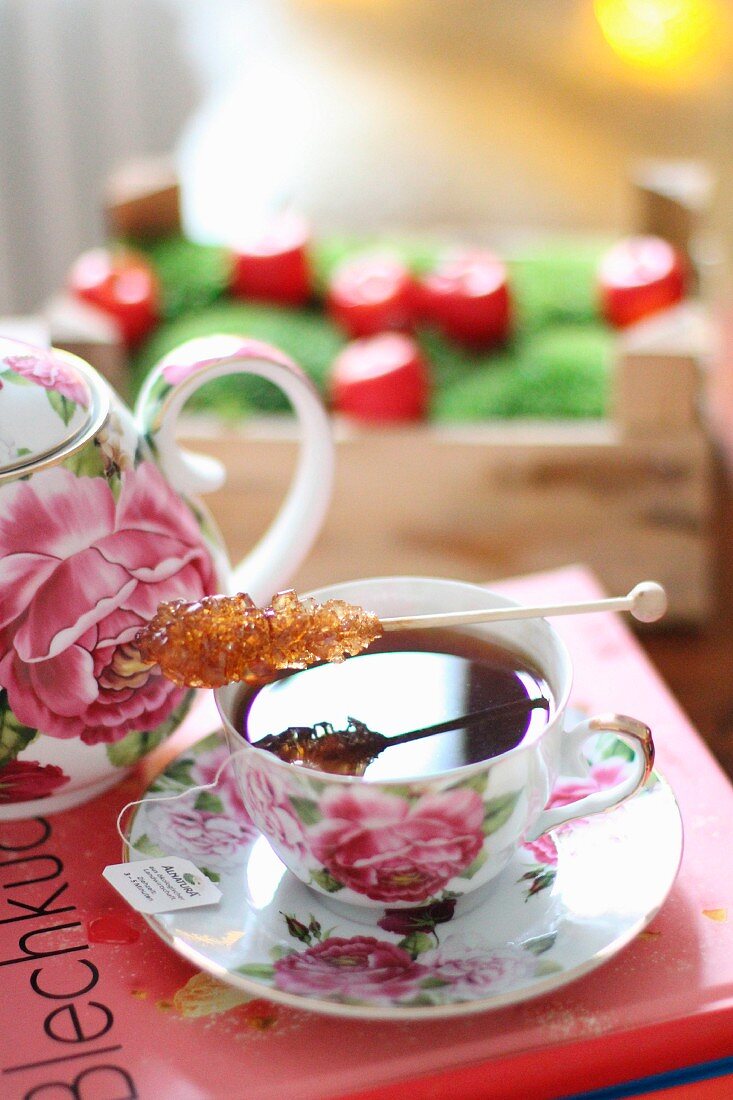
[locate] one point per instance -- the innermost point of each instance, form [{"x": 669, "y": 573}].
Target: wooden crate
[{"x": 489, "y": 502}]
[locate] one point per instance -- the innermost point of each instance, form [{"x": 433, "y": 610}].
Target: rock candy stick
[{"x": 221, "y": 640}]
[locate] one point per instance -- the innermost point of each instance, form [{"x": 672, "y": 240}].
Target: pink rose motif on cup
[
  {"x": 80, "y": 573},
  {"x": 389, "y": 849},
  {"x": 52, "y": 374},
  {"x": 359, "y": 968},
  {"x": 210, "y": 840},
  {"x": 600, "y": 777},
  {"x": 271, "y": 809},
  {"x": 203, "y": 352},
  {"x": 22, "y": 780}
]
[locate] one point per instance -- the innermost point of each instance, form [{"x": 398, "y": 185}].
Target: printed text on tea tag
[{"x": 162, "y": 885}]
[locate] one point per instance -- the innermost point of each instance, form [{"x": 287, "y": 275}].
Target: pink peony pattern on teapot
[
  {"x": 97, "y": 528},
  {"x": 88, "y": 549},
  {"x": 81, "y": 569}
]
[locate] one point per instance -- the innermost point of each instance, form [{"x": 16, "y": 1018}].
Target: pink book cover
[{"x": 95, "y": 1006}]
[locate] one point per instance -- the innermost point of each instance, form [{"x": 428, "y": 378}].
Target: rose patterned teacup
[{"x": 379, "y": 844}]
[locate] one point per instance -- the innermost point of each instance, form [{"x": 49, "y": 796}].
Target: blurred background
[{"x": 364, "y": 113}]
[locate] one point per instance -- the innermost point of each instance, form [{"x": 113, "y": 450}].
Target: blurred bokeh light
[{"x": 657, "y": 34}]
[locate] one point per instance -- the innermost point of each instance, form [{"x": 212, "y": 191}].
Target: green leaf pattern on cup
[
  {"x": 306, "y": 809},
  {"x": 497, "y": 811},
  {"x": 325, "y": 881}
]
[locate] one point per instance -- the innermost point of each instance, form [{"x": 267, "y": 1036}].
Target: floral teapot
[{"x": 98, "y": 525}]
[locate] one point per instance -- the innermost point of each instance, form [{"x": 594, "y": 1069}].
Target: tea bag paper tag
[{"x": 162, "y": 885}]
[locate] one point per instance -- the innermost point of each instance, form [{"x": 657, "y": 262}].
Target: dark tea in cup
[{"x": 462, "y": 685}]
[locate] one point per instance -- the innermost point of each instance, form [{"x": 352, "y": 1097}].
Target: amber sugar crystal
[{"x": 225, "y": 639}]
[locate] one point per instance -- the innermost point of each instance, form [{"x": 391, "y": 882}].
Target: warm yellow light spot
[
  {"x": 649, "y": 935},
  {"x": 720, "y": 915},
  {"x": 656, "y": 34}
]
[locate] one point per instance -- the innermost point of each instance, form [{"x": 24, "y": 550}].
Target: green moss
[
  {"x": 557, "y": 365},
  {"x": 561, "y": 373},
  {"x": 419, "y": 255},
  {"x": 555, "y": 282},
  {"x": 451, "y": 364},
  {"x": 191, "y": 275}
]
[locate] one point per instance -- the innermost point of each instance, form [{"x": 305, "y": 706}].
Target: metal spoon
[{"x": 351, "y": 751}]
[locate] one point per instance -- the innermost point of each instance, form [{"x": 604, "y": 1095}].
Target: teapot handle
[{"x": 271, "y": 563}]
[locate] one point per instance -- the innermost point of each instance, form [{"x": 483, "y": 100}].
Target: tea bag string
[
  {"x": 147, "y": 801},
  {"x": 131, "y": 847}
]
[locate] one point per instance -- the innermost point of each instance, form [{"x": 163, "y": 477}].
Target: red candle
[
  {"x": 122, "y": 284},
  {"x": 380, "y": 378},
  {"x": 467, "y": 297},
  {"x": 640, "y": 276},
  {"x": 371, "y": 294},
  {"x": 274, "y": 267}
]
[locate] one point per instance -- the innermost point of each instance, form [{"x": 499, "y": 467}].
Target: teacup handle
[
  {"x": 629, "y": 730},
  {"x": 167, "y": 389}
]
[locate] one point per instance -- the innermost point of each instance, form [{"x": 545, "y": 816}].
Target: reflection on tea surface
[{"x": 408, "y": 681}]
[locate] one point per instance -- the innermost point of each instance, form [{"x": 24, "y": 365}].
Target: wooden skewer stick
[{"x": 647, "y": 602}]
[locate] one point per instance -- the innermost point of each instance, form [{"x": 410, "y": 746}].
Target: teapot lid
[{"x": 50, "y": 402}]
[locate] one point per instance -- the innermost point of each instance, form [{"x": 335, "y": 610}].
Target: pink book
[{"x": 96, "y": 1006}]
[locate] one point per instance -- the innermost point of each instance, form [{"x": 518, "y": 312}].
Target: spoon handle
[
  {"x": 647, "y": 602},
  {"x": 500, "y": 710}
]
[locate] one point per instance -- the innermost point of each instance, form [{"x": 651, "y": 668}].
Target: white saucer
[{"x": 542, "y": 925}]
